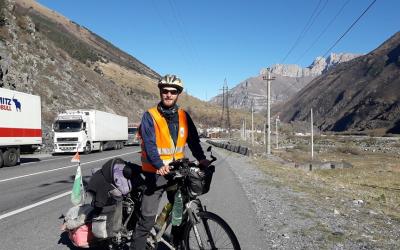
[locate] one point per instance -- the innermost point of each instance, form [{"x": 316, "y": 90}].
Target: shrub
[
  {"x": 347, "y": 149},
  {"x": 76, "y": 48}
]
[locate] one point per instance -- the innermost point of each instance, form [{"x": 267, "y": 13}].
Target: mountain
[
  {"x": 289, "y": 79},
  {"x": 69, "y": 67},
  {"x": 358, "y": 95},
  {"x": 318, "y": 66}
]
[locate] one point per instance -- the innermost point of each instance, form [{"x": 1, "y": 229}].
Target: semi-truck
[
  {"x": 20, "y": 125},
  {"x": 89, "y": 130},
  {"x": 133, "y": 138}
]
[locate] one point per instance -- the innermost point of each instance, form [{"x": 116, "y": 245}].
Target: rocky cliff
[
  {"x": 289, "y": 79},
  {"x": 318, "y": 66},
  {"x": 358, "y": 95}
]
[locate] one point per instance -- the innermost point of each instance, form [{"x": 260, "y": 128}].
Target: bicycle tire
[{"x": 222, "y": 235}]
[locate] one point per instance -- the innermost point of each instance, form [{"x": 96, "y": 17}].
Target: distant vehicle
[
  {"x": 20, "y": 125},
  {"x": 89, "y": 130},
  {"x": 133, "y": 137}
]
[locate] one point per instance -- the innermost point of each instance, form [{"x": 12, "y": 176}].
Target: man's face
[{"x": 169, "y": 96}]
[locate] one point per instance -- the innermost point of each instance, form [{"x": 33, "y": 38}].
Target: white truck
[
  {"x": 133, "y": 138},
  {"x": 20, "y": 125},
  {"x": 89, "y": 130}
]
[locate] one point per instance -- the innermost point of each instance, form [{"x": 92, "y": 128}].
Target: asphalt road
[{"x": 34, "y": 194}]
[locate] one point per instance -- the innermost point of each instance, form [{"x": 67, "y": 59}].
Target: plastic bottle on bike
[{"x": 177, "y": 209}]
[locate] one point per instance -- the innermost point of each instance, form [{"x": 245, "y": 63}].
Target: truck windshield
[
  {"x": 68, "y": 126},
  {"x": 132, "y": 131}
]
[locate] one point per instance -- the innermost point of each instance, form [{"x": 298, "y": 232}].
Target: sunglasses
[{"x": 166, "y": 91}]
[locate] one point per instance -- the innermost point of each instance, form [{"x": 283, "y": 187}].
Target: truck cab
[
  {"x": 133, "y": 137},
  {"x": 71, "y": 132},
  {"x": 89, "y": 130}
]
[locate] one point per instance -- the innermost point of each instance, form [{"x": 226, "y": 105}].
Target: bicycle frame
[{"x": 192, "y": 207}]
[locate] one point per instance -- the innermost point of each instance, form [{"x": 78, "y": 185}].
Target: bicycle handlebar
[{"x": 176, "y": 167}]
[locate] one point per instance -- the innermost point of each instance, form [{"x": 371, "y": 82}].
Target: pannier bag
[
  {"x": 77, "y": 216},
  {"x": 108, "y": 185},
  {"x": 108, "y": 223},
  {"x": 199, "y": 180},
  {"x": 81, "y": 236}
]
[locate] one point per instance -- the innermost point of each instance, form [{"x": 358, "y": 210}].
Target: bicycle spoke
[{"x": 216, "y": 238}]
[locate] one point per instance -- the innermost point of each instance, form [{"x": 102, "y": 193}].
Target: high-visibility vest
[{"x": 166, "y": 148}]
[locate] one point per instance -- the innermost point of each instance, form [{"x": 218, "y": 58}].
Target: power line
[
  {"x": 169, "y": 27},
  {"x": 186, "y": 39},
  {"x": 323, "y": 31},
  {"x": 302, "y": 32},
  {"x": 351, "y": 26}
]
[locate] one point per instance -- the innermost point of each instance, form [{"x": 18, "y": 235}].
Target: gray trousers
[{"x": 149, "y": 208}]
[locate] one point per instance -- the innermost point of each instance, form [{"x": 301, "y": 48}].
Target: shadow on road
[
  {"x": 71, "y": 179},
  {"x": 64, "y": 240},
  {"x": 27, "y": 160}
]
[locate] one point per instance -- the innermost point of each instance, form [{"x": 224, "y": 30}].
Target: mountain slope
[
  {"x": 359, "y": 95},
  {"x": 290, "y": 78},
  {"x": 68, "y": 66}
]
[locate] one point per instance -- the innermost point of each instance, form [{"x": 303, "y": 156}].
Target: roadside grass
[{"x": 374, "y": 178}]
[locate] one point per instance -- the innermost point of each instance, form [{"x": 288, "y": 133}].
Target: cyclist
[{"x": 165, "y": 129}]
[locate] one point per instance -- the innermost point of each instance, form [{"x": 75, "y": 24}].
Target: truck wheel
[
  {"x": 10, "y": 157},
  {"x": 87, "y": 149},
  {"x": 1, "y": 159},
  {"x": 101, "y": 147}
]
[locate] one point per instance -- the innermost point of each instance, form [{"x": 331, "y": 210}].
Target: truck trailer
[
  {"x": 20, "y": 125},
  {"x": 89, "y": 130}
]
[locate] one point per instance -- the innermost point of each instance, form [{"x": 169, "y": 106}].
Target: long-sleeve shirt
[{"x": 149, "y": 139}]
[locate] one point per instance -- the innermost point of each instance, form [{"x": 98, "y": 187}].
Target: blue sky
[{"x": 206, "y": 41}]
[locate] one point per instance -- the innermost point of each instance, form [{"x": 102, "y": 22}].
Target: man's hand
[
  {"x": 163, "y": 170},
  {"x": 204, "y": 163}
]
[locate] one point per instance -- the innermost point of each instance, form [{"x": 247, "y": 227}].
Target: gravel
[{"x": 295, "y": 220}]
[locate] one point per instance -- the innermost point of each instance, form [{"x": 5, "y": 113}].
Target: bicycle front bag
[{"x": 199, "y": 180}]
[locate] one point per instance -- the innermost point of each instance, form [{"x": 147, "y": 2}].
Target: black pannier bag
[
  {"x": 108, "y": 186},
  {"x": 199, "y": 180}
]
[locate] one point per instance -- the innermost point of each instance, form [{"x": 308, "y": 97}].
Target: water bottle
[
  {"x": 177, "y": 209},
  {"x": 164, "y": 215}
]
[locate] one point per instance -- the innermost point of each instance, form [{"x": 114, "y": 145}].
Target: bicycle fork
[{"x": 195, "y": 221}]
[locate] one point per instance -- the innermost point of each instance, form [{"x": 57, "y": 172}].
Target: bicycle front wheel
[{"x": 211, "y": 232}]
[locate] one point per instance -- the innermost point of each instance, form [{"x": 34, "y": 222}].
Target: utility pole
[
  {"x": 223, "y": 107},
  {"x": 252, "y": 123},
  {"x": 225, "y": 123},
  {"x": 227, "y": 109},
  {"x": 268, "y": 78},
  {"x": 245, "y": 130},
  {"x": 246, "y": 97},
  {"x": 312, "y": 137},
  {"x": 276, "y": 131}
]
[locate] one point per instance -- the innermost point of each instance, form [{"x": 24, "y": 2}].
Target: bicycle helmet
[{"x": 171, "y": 81}]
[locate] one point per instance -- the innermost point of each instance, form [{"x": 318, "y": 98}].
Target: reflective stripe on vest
[{"x": 166, "y": 148}]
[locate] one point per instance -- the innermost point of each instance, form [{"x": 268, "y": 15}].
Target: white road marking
[
  {"x": 20, "y": 210},
  {"x": 3, "y": 216},
  {"x": 56, "y": 169}
]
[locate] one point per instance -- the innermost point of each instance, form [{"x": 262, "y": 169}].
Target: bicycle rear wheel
[{"x": 211, "y": 232}]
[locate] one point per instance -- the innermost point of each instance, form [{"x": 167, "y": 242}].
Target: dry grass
[
  {"x": 128, "y": 77},
  {"x": 374, "y": 178}
]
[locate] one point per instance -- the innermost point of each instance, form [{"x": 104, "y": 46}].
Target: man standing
[{"x": 165, "y": 130}]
